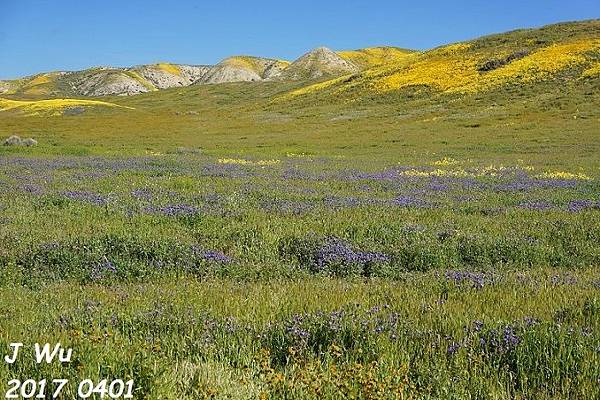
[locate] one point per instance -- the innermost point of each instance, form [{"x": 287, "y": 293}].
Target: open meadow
[{"x": 263, "y": 240}]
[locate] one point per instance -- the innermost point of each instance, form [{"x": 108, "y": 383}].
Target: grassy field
[
  {"x": 521, "y": 335},
  {"x": 234, "y": 241}
]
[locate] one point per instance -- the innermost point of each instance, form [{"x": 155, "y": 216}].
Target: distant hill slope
[
  {"x": 53, "y": 106},
  {"x": 243, "y": 69},
  {"x": 104, "y": 81},
  {"x": 564, "y": 53},
  {"x": 375, "y": 56},
  {"x": 165, "y": 75},
  {"x": 317, "y": 63}
]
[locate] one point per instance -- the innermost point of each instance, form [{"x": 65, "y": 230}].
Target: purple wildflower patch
[
  {"x": 86, "y": 197},
  {"x": 174, "y": 210},
  {"x": 535, "y": 205},
  {"x": 582, "y": 205},
  {"x": 336, "y": 251},
  {"x": 475, "y": 279}
]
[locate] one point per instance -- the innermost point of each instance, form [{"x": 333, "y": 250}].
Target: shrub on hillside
[
  {"x": 15, "y": 140},
  {"x": 491, "y": 65}
]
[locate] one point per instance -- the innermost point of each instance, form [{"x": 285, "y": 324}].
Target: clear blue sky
[{"x": 38, "y": 35}]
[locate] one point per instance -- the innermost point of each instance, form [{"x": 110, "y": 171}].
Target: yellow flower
[
  {"x": 445, "y": 162},
  {"x": 563, "y": 175},
  {"x": 592, "y": 71},
  {"x": 240, "y": 161},
  {"x": 170, "y": 68},
  {"x": 51, "y": 107}
]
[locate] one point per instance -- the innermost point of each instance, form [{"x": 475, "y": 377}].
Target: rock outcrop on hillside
[
  {"x": 105, "y": 82},
  {"x": 165, "y": 76},
  {"x": 5, "y": 87}
]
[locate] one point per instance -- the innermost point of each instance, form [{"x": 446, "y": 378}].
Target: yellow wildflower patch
[
  {"x": 444, "y": 74},
  {"x": 476, "y": 172},
  {"x": 489, "y": 170},
  {"x": 592, "y": 71},
  {"x": 52, "y": 106},
  {"x": 541, "y": 64},
  {"x": 39, "y": 85},
  {"x": 241, "y": 161},
  {"x": 446, "y": 161},
  {"x": 251, "y": 63},
  {"x": 298, "y": 155},
  {"x": 39, "y": 80},
  {"x": 451, "y": 49},
  {"x": 169, "y": 68},
  {"x": 454, "y": 173},
  {"x": 451, "y": 69},
  {"x": 318, "y": 86},
  {"x": 146, "y": 83},
  {"x": 564, "y": 175},
  {"x": 374, "y": 56}
]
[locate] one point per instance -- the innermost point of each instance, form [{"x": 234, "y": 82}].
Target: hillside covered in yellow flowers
[{"x": 562, "y": 53}]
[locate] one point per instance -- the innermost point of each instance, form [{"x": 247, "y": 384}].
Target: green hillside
[
  {"x": 563, "y": 53},
  {"x": 542, "y": 108}
]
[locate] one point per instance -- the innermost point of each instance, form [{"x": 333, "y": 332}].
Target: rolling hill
[
  {"x": 564, "y": 54},
  {"x": 371, "y": 57},
  {"x": 106, "y": 81},
  {"x": 530, "y": 93},
  {"x": 560, "y": 53},
  {"x": 318, "y": 63}
]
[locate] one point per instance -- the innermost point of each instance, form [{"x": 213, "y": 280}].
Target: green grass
[
  {"x": 470, "y": 208},
  {"x": 192, "y": 339},
  {"x": 543, "y": 125}
]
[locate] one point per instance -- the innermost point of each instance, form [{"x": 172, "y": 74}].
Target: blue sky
[{"x": 38, "y": 35}]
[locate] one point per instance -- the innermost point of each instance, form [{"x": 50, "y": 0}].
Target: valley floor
[{"x": 304, "y": 277}]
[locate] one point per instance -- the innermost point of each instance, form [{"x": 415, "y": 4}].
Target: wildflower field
[
  {"x": 231, "y": 242},
  {"x": 305, "y": 277}
]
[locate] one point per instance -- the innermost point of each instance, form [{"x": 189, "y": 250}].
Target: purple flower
[
  {"x": 537, "y": 205},
  {"x": 476, "y": 279},
  {"x": 87, "y": 197},
  {"x": 103, "y": 268},
  {"x": 142, "y": 194},
  {"x": 174, "y": 210},
  {"x": 215, "y": 256},
  {"x": 300, "y": 333},
  {"x": 453, "y": 348},
  {"x": 211, "y": 256},
  {"x": 409, "y": 202},
  {"x": 581, "y": 205},
  {"x": 336, "y": 251},
  {"x": 291, "y": 207},
  {"x": 563, "y": 280},
  {"x": 510, "y": 338}
]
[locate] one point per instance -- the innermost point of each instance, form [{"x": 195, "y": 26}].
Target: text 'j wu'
[{"x": 41, "y": 353}]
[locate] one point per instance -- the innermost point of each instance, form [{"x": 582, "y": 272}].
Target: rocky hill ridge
[{"x": 104, "y": 81}]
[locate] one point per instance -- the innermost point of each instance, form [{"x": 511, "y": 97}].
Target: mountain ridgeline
[
  {"x": 103, "y": 81},
  {"x": 559, "y": 54}
]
